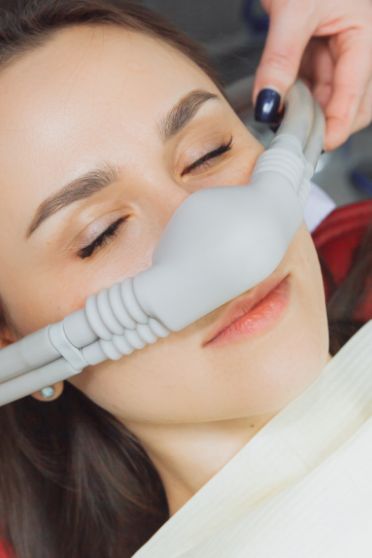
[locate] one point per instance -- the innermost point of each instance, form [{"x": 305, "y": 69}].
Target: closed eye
[
  {"x": 107, "y": 235},
  {"x": 212, "y": 154},
  {"x": 102, "y": 239}
]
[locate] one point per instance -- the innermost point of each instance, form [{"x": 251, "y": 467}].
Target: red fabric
[
  {"x": 4, "y": 553},
  {"x": 337, "y": 239}
]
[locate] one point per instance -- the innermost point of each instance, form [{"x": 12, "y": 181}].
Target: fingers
[
  {"x": 323, "y": 70},
  {"x": 339, "y": 68},
  {"x": 364, "y": 114},
  {"x": 351, "y": 77},
  {"x": 289, "y": 33},
  {"x": 316, "y": 70}
]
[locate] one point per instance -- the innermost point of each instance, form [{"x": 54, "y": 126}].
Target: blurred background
[{"x": 233, "y": 33}]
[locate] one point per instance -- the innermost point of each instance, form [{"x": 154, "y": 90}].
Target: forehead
[
  {"x": 94, "y": 64},
  {"x": 69, "y": 103}
]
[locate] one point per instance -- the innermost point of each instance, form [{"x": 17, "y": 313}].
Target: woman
[{"x": 86, "y": 89}]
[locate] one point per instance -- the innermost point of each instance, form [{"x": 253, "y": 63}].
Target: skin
[
  {"x": 83, "y": 98},
  {"x": 329, "y": 43}
]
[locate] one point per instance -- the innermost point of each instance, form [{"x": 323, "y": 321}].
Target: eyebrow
[
  {"x": 183, "y": 112},
  {"x": 95, "y": 180}
]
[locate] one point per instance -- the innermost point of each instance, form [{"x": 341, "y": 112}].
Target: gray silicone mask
[{"x": 198, "y": 265}]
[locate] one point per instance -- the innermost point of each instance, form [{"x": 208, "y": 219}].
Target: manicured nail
[
  {"x": 276, "y": 121},
  {"x": 267, "y": 105}
]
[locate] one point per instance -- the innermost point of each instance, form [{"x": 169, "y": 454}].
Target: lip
[{"x": 243, "y": 305}]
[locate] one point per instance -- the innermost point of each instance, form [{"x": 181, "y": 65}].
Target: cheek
[
  {"x": 303, "y": 343},
  {"x": 43, "y": 299}
]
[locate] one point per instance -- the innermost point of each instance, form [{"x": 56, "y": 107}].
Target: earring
[{"x": 47, "y": 392}]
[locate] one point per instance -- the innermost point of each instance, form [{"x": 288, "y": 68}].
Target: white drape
[{"x": 300, "y": 488}]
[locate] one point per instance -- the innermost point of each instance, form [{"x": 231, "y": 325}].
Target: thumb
[{"x": 290, "y": 30}]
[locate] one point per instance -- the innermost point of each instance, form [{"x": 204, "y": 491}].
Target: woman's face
[{"x": 93, "y": 97}]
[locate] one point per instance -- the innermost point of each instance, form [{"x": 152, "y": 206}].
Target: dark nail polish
[
  {"x": 276, "y": 121},
  {"x": 267, "y": 105}
]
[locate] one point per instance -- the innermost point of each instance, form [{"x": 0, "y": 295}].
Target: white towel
[{"x": 318, "y": 206}]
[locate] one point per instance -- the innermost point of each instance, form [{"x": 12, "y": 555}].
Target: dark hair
[{"x": 59, "y": 496}]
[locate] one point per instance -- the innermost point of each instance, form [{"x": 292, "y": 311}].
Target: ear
[
  {"x": 8, "y": 333},
  {"x": 57, "y": 392},
  {"x": 6, "y": 336}
]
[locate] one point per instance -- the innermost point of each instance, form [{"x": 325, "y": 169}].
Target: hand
[{"x": 329, "y": 44}]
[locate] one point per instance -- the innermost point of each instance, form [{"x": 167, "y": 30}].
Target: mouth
[{"x": 252, "y": 312}]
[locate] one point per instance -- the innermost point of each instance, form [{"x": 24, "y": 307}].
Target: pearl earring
[{"x": 47, "y": 392}]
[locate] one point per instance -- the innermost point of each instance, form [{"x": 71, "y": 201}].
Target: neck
[{"x": 188, "y": 455}]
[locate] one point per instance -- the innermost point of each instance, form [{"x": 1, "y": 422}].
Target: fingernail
[
  {"x": 267, "y": 105},
  {"x": 276, "y": 121}
]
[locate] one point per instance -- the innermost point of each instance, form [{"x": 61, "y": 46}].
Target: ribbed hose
[
  {"x": 120, "y": 323},
  {"x": 288, "y": 163}
]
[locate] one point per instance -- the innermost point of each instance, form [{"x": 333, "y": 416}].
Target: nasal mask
[{"x": 198, "y": 264}]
